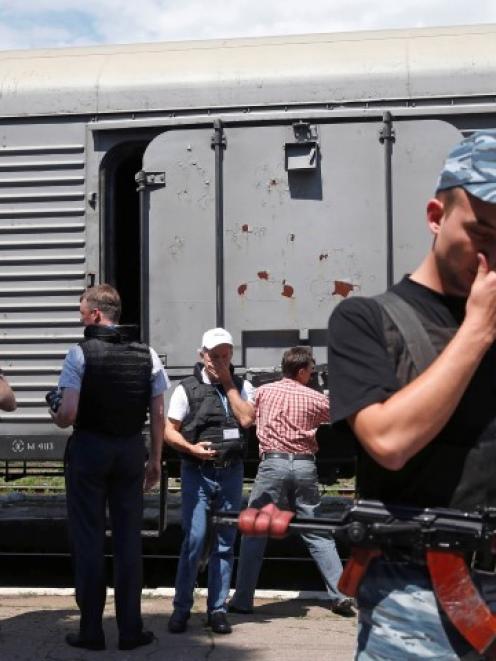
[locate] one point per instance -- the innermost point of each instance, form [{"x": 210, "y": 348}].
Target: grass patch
[{"x": 30, "y": 480}]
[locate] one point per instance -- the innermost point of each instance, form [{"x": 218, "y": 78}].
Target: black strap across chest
[{"x": 416, "y": 338}]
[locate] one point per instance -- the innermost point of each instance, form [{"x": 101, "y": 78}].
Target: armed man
[
  {"x": 108, "y": 384},
  {"x": 424, "y": 431}
]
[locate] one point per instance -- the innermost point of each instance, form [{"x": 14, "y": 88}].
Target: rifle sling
[
  {"x": 406, "y": 320},
  {"x": 461, "y": 601}
]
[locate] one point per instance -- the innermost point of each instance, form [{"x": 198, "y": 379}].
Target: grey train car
[{"x": 251, "y": 183}]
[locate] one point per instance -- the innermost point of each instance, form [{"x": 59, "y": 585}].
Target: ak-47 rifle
[{"x": 443, "y": 536}]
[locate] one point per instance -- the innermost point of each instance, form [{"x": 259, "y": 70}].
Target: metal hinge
[
  {"x": 387, "y": 132},
  {"x": 218, "y": 138},
  {"x": 90, "y": 279},
  {"x": 305, "y": 132},
  {"x": 147, "y": 179}
]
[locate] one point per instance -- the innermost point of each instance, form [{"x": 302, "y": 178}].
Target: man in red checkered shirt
[{"x": 288, "y": 414}]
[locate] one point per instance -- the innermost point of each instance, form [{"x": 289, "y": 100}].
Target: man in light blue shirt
[{"x": 109, "y": 384}]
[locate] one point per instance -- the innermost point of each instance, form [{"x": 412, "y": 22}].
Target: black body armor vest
[
  {"x": 208, "y": 417},
  {"x": 116, "y": 386}
]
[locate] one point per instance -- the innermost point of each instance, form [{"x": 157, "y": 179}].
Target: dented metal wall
[{"x": 304, "y": 226}]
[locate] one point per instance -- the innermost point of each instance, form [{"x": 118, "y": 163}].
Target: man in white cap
[{"x": 207, "y": 414}]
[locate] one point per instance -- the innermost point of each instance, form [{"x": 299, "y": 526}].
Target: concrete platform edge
[{"x": 164, "y": 592}]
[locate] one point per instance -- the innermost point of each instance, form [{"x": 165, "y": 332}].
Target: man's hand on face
[
  {"x": 217, "y": 363},
  {"x": 481, "y": 303},
  {"x": 221, "y": 368},
  {"x": 203, "y": 450}
]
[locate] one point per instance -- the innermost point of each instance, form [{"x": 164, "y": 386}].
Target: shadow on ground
[{"x": 39, "y": 636}]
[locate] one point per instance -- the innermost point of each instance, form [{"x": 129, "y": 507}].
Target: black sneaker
[
  {"x": 343, "y": 607},
  {"x": 145, "y": 638},
  {"x": 218, "y": 622},
  {"x": 240, "y": 611},
  {"x": 178, "y": 622},
  {"x": 75, "y": 640}
]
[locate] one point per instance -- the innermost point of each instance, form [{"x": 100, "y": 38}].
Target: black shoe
[
  {"x": 217, "y": 621},
  {"x": 240, "y": 611},
  {"x": 178, "y": 622},
  {"x": 343, "y": 607},
  {"x": 75, "y": 640},
  {"x": 145, "y": 638}
]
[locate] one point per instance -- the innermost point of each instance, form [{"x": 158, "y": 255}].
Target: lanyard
[{"x": 224, "y": 400}]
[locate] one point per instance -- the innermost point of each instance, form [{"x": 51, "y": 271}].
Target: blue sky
[{"x": 48, "y": 23}]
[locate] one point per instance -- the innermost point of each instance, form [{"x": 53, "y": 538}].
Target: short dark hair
[
  {"x": 104, "y": 297},
  {"x": 448, "y": 197},
  {"x": 295, "y": 359}
]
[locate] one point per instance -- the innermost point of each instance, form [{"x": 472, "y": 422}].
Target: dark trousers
[{"x": 102, "y": 469}]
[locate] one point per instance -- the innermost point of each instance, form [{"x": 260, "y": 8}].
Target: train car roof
[{"x": 319, "y": 68}]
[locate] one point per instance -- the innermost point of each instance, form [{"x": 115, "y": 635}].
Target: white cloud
[{"x": 65, "y": 22}]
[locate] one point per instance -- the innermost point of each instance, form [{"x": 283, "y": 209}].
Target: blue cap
[{"x": 472, "y": 165}]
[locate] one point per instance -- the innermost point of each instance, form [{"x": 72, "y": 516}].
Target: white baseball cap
[{"x": 215, "y": 336}]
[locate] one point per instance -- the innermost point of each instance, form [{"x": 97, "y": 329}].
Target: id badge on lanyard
[{"x": 230, "y": 433}]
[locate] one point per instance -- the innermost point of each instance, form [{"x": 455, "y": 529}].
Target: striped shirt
[{"x": 287, "y": 416}]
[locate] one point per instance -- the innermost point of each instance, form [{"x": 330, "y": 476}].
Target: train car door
[{"x": 266, "y": 233}]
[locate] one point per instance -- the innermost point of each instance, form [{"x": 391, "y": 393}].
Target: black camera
[{"x": 53, "y": 398}]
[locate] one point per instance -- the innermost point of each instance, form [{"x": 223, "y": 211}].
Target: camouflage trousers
[{"x": 399, "y": 618}]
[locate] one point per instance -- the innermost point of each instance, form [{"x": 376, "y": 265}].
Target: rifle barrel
[{"x": 374, "y": 524}]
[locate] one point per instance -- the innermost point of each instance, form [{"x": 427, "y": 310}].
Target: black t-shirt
[{"x": 362, "y": 372}]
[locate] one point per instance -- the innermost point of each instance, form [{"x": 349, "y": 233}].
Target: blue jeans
[
  {"x": 203, "y": 486},
  {"x": 290, "y": 484},
  {"x": 399, "y": 617}
]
